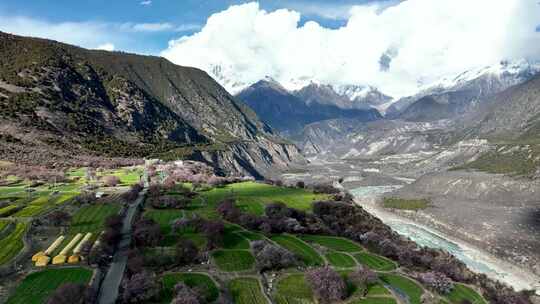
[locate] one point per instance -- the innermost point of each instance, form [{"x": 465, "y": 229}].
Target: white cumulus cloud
[
  {"x": 393, "y": 48},
  {"x": 106, "y": 47}
]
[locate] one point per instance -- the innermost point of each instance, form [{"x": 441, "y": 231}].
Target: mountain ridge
[{"x": 119, "y": 104}]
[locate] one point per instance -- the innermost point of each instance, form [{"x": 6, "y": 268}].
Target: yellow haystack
[
  {"x": 59, "y": 259},
  {"x": 36, "y": 256},
  {"x": 42, "y": 261},
  {"x": 74, "y": 259},
  {"x": 62, "y": 257}
]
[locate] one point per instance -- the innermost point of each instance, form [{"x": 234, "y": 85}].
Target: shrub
[
  {"x": 185, "y": 295},
  {"x": 147, "y": 232},
  {"x": 141, "y": 287},
  {"x": 327, "y": 285},
  {"x": 68, "y": 293},
  {"x": 436, "y": 281},
  {"x": 114, "y": 222},
  {"x": 186, "y": 252},
  {"x": 277, "y": 210},
  {"x": 59, "y": 218},
  {"x": 325, "y": 189},
  {"x": 228, "y": 210},
  {"x": 364, "y": 277},
  {"x": 272, "y": 257},
  {"x": 300, "y": 184},
  {"x": 111, "y": 181}
]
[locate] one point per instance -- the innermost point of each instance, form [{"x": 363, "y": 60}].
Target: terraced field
[
  {"x": 462, "y": 292},
  {"x": 334, "y": 243},
  {"x": 404, "y": 286},
  {"x": 308, "y": 255},
  {"x": 375, "y": 262},
  {"x": 232, "y": 240},
  {"x": 37, "y": 287},
  {"x": 293, "y": 289},
  {"x": 247, "y": 291},
  {"x": 233, "y": 260},
  {"x": 193, "y": 280},
  {"x": 375, "y": 300},
  {"x": 12, "y": 243},
  {"x": 339, "y": 259},
  {"x": 92, "y": 218}
]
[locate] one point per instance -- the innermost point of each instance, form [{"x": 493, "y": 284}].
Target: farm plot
[
  {"x": 252, "y": 236},
  {"x": 44, "y": 202},
  {"x": 12, "y": 244},
  {"x": 193, "y": 280},
  {"x": 406, "y": 287},
  {"x": 232, "y": 240},
  {"x": 461, "y": 293},
  {"x": 164, "y": 217},
  {"x": 308, "y": 255},
  {"x": 92, "y": 218},
  {"x": 247, "y": 291},
  {"x": 233, "y": 260},
  {"x": 3, "y": 225},
  {"x": 375, "y": 262},
  {"x": 38, "y": 286},
  {"x": 375, "y": 300},
  {"x": 252, "y": 196},
  {"x": 293, "y": 289},
  {"x": 334, "y": 243},
  {"x": 339, "y": 259},
  {"x": 88, "y": 219}
]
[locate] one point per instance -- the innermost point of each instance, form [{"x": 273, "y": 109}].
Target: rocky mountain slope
[
  {"x": 454, "y": 96},
  {"x": 56, "y": 98},
  {"x": 289, "y": 112}
]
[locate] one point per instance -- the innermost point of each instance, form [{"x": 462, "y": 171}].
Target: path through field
[{"x": 110, "y": 285}]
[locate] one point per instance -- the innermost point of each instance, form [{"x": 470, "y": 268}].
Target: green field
[
  {"x": 164, "y": 217},
  {"x": 334, "y": 243},
  {"x": 339, "y": 259},
  {"x": 308, "y": 255},
  {"x": 462, "y": 292},
  {"x": 403, "y": 285},
  {"x": 44, "y": 203},
  {"x": 192, "y": 280},
  {"x": 252, "y": 196},
  {"x": 375, "y": 262},
  {"x": 252, "y": 236},
  {"x": 375, "y": 300},
  {"x": 246, "y": 291},
  {"x": 6, "y": 210},
  {"x": 3, "y": 225},
  {"x": 233, "y": 260},
  {"x": 36, "y": 287},
  {"x": 12, "y": 243},
  {"x": 232, "y": 240},
  {"x": 293, "y": 289},
  {"x": 92, "y": 218},
  {"x": 405, "y": 204}
]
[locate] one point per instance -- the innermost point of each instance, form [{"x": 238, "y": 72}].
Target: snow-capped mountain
[
  {"x": 228, "y": 78},
  {"x": 452, "y": 96}
]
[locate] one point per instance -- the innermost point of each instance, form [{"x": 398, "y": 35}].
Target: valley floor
[{"x": 471, "y": 209}]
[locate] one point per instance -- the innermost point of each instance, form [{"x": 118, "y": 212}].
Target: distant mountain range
[
  {"x": 289, "y": 111},
  {"x": 454, "y": 96},
  {"x": 59, "y": 101}
]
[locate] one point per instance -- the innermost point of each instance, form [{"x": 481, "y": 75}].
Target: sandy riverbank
[{"x": 476, "y": 258}]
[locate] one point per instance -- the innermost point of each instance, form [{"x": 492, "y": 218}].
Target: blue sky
[
  {"x": 334, "y": 42},
  {"x": 182, "y": 17}
]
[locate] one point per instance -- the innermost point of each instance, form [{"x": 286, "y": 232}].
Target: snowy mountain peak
[{"x": 505, "y": 72}]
